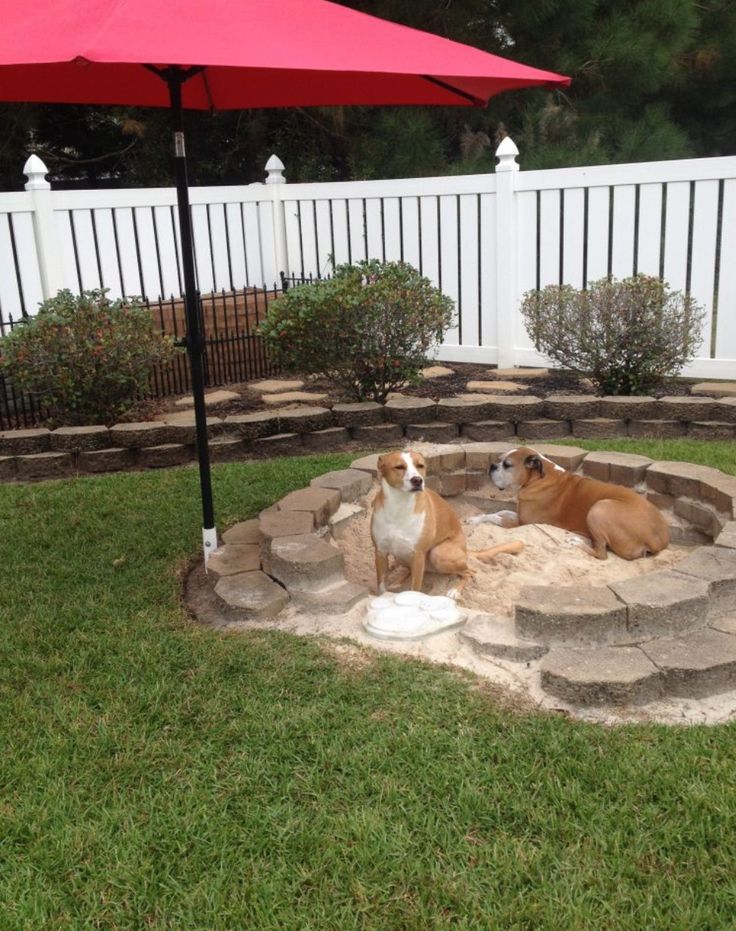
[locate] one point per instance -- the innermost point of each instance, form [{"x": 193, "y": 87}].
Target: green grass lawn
[{"x": 154, "y": 774}]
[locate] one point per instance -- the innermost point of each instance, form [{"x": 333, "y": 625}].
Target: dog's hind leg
[{"x": 513, "y": 547}]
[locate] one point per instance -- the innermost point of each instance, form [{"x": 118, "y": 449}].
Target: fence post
[
  {"x": 506, "y": 252},
  {"x": 44, "y": 229},
  {"x": 275, "y": 177}
]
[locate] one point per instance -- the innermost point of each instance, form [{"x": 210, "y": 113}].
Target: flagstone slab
[
  {"x": 496, "y": 387},
  {"x": 210, "y": 399},
  {"x": 436, "y": 371},
  {"x": 715, "y": 389},
  {"x": 275, "y": 385},
  {"x": 294, "y": 397}
]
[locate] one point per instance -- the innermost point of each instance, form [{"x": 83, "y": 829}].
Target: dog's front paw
[
  {"x": 575, "y": 539},
  {"x": 478, "y": 519}
]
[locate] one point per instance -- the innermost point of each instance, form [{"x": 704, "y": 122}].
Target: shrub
[
  {"x": 625, "y": 335},
  {"x": 369, "y": 328},
  {"x": 85, "y": 357}
]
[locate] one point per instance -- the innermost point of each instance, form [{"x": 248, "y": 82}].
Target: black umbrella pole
[{"x": 195, "y": 340}]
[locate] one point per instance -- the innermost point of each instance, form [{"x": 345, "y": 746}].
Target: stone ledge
[{"x": 604, "y": 676}]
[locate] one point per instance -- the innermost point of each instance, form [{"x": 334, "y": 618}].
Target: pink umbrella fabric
[
  {"x": 234, "y": 54},
  {"x": 256, "y": 53}
]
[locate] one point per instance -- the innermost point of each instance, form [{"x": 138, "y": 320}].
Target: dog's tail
[{"x": 514, "y": 547}]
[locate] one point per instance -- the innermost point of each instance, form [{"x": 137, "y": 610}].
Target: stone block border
[
  {"x": 35, "y": 454},
  {"x": 668, "y": 633}
]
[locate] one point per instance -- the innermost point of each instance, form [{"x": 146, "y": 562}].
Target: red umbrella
[{"x": 234, "y": 54}]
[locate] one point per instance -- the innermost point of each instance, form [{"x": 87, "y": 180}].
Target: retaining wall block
[
  {"x": 167, "y": 454},
  {"x": 384, "y": 434},
  {"x": 488, "y": 431},
  {"x": 627, "y": 408},
  {"x": 435, "y": 432},
  {"x": 571, "y": 407},
  {"x": 24, "y": 442},
  {"x": 657, "y": 429},
  {"x": 74, "y": 439},
  {"x": 404, "y": 410},
  {"x": 329, "y": 439},
  {"x": 280, "y": 444},
  {"x": 358, "y": 414},
  {"x": 686, "y": 409},
  {"x": 113, "y": 459},
  {"x": 44, "y": 465},
  {"x": 598, "y": 428},
  {"x": 253, "y": 426},
  {"x": 513, "y": 408},
  {"x": 530, "y": 430}
]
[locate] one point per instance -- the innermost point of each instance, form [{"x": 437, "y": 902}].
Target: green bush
[
  {"x": 627, "y": 336},
  {"x": 85, "y": 357},
  {"x": 369, "y": 328}
]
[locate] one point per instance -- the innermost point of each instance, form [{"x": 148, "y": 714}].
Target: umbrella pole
[{"x": 195, "y": 340}]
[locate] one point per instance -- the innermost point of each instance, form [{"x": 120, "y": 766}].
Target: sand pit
[{"x": 550, "y": 557}]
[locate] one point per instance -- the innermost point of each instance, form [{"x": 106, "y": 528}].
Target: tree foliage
[{"x": 652, "y": 79}]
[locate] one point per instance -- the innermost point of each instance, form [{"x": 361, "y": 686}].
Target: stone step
[
  {"x": 250, "y": 596},
  {"x": 694, "y": 665},
  {"x": 601, "y": 676},
  {"x": 578, "y": 615},
  {"x": 305, "y": 563},
  {"x": 492, "y": 636},
  {"x": 333, "y": 599}
]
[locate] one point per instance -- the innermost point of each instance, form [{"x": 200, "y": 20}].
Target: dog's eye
[
  {"x": 421, "y": 465},
  {"x": 507, "y": 464},
  {"x": 401, "y": 468}
]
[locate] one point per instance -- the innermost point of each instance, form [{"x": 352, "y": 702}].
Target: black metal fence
[{"x": 234, "y": 350}]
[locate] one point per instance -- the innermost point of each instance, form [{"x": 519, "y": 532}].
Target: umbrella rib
[{"x": 475, "y": 101}]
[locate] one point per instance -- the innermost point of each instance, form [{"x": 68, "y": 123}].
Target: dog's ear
[
  {"x": 534, "y": 464},
  {"x": 379, "y": 464}
]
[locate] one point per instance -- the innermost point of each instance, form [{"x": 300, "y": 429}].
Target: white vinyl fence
[{"x": 484, "y": 239}]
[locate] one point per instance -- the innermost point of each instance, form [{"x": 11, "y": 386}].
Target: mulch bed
[{"x": 446, "y": 386}]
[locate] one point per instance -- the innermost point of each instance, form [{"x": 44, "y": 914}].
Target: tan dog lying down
[
  {"x": 418, "y": 528},
  {"x": 614, "y": 517}
]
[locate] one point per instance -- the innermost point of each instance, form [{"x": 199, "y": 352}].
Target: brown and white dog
[
  {"x": 614, "y": 517},
  {"x": 417, "y": 527}
]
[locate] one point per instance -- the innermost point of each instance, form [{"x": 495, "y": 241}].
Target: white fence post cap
[
  {"x": 275, "y": 171},
  {"x": 35, "y": 170},
  {"x": 506, "y": 154}
]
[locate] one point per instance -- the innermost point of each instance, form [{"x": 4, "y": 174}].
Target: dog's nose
[
  {"x": 494, "y": 466},
  {"x": 416, "y": 481}
]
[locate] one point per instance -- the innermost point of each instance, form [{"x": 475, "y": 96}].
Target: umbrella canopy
[
  {"x": 257, "y": 53},
  {"x": 234, "y": 54}
]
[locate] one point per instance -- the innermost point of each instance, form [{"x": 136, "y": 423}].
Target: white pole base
[{"x": 209, "y": 542}]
